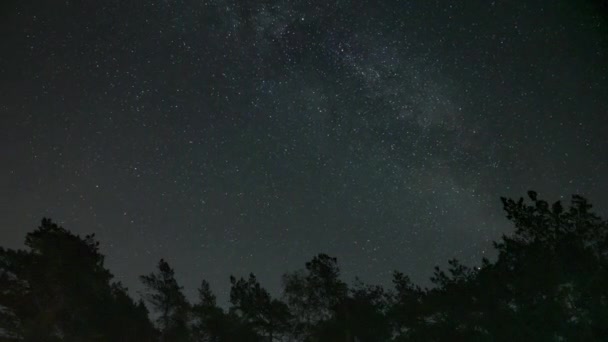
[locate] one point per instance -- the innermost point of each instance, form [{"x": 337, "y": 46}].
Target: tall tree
[
  {"x": 555, "y": 266},
  {"x": 166, "y": 297},
  {"x": 358, "y": 317},
  {"x": 250, "y": 301},
  {"x": 130, "y": 321},
  {"x": 59, "y": 289},
  {"x": 548, "y": 283},
  {"x": 313, "y": 294},
  {"x": 405, "y": 314},
  {"x": 210, "y": 324}
]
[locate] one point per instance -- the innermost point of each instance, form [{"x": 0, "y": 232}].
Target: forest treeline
[{"x": 549, "y": 282}]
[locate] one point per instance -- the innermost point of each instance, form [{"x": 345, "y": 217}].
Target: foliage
[
  {"x": 254, "y": 306},
  {"x": 59, "y": 290},
  {"x": 166, "y": 297},
  {"x": 549, "y": 282}
]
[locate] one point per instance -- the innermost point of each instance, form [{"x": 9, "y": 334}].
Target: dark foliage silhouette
[
  {"x": 59, "y": 290},
  {"x": 166, "y": 297},
  {"x": 549, "y": 282},
  {"x": 256, "y": 309}
]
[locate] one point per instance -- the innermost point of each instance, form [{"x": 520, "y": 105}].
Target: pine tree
[
  {"x": 254, "y": 305},
  {"x": 166, "y": 297}
]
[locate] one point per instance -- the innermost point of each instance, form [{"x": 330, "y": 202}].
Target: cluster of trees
[{"x": 549, "y": 282}]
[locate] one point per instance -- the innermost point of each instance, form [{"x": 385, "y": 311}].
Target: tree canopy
[{"x": 549, "y": 282}]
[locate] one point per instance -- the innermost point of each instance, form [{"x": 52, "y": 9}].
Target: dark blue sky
[{"x": 247, "y": 136}]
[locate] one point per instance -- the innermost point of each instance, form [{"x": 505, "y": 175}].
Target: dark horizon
[{"x": 548, "y": 282}]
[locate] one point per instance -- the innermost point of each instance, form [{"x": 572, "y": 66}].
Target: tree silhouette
[
  {"x": 59, "y": 290},
  {"x": 314, "y": 293},
  {"x": 129, "y": 319},
  {"x": 360, "y": 316},
  {"x": 207, "y": 317},
  {"x": 555, "y": 268},
  {"x": 548, "y": 282},
  {"x": 406, "y": 310},
  {"x": 253, "y": 304},
  {"x": 166, "y": 297}
]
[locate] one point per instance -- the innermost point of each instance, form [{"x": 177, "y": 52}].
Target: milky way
[{"x": 246, "y": 136}]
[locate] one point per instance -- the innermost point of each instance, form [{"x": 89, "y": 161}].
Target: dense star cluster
[{"x": 247, "y": 136}]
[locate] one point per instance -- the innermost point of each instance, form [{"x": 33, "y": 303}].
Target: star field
[{"x": 246, "y": 136}]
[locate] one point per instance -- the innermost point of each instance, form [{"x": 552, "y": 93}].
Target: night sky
[{"x": 247, "y": 136}]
